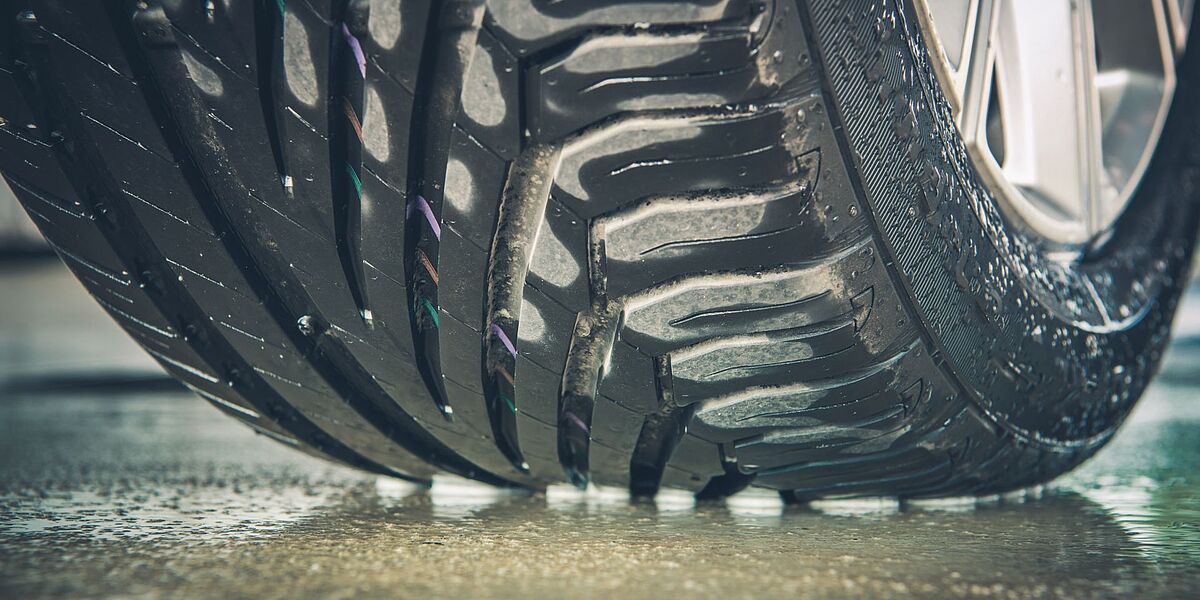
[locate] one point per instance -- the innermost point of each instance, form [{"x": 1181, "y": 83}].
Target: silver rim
[{"x": 1060, "y": 102}]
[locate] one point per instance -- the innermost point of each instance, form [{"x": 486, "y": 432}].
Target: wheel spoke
[
  {"x": 977, "y": 72},
  {"x": 954, "y": 24},
  {"x": 1135, "y": 77},
  {"x": 1180, "y": 14},
  {"x": 1045, "y": 78}
]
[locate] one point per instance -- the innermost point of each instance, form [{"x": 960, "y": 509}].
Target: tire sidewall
[{"x": 1022, "y": 335}]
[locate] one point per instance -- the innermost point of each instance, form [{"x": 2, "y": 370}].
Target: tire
[{"x": 694, "y": 245}]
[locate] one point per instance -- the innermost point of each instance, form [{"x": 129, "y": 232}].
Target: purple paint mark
[
  {"x": 428, "y": 212},
  {"x": 570, "y": 416},
  {"x": 504, "y": 338},
  {"x": 359, "y": 57}
]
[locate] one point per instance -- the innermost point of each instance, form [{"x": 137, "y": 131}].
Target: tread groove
[
  {"x": 434, "y": 105},
  {"x": 268, "y": 22},
  {"x": 347, "y": 73}
]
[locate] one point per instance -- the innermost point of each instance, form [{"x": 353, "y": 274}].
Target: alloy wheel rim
[{"x": 1060, "y": 102}]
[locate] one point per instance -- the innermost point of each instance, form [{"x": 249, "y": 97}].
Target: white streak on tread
[
  {"x": 481, "y": 97},
  {"x": 183, "y": 366},
  {"x": 262, "y": 371},
  {"x": 279, "y": 437},
  {"x": 77, "y": 213},
  {"x": 161, "y": 209},
  {"x": 167, "y": 333},
  {"x": 297, "y": 60},
  {"x": 223, "y": 402},
  {"x": 809, "y": 430},
  {"x": 201, "y": 276},
  {"x": 242, "y": 331},
  {"x": 123, "y": 136},
  {"x": 122, "y": 278},
  {"x": 651, "y": 101},
  {"x": 878, "y": 443},
  {"x": 89, "y": 55}
]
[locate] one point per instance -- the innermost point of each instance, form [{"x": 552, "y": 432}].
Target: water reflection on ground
[{"x": 150, "y": 495}]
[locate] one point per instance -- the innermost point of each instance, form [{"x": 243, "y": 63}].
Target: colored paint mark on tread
[
  {"x": 355, "y": 47},
  {"x": 512, "y": 349},
  {"x": 355, "y": 180},
  {"x": 353, "y": 118},
  {"x": 433, "y": 312},
  {"x": 421, "y": 204},
  {"x": 424, "y": 260},
  {"x": 576, "y": 421},
  {"x": 508, "y": 402}
]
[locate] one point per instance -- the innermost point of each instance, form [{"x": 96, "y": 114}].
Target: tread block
[
  {"x": 537, "y": 392},
  {"x": 644, "y": 156},
  {"x": 692, "y": 309},
  {"x": 526, "y": 31},
  {"x": 628, "y": 71},
  {"x": 611, "y": 72},
  {"x": 559, "y": 263},
  {"x": 489, "y": 106},
  {"x": 545, "y": 329},
  {"x": 473, "y": 181}
]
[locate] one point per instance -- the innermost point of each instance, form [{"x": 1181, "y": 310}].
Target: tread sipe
[{"x": 694, "y": 244}]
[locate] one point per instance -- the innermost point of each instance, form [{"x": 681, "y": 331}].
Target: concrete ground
[{"x": 113, "y": 486}]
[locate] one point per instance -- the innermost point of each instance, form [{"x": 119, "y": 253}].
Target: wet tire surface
[{"x": 687, "y": 245}]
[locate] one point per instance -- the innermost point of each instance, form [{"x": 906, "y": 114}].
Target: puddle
[{"x": 154, "y": 495}]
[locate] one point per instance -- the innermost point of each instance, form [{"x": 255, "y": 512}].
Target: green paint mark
[
  {"x": 511, "y": 405},
  {"x": 355, "y": 179},
  {"x": 432, "y": 310},
  {"x": 282, "y": 6}
]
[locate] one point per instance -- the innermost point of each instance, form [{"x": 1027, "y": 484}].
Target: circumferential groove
[
  {"x": 520, "y": 217},
  {"x": 347, "y": 79},
  {"x": 452, "y": 28},
  {"x": 268, "y": 24}
]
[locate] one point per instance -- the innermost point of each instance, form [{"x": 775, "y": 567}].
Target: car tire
[{"x": 696, "y": 245}]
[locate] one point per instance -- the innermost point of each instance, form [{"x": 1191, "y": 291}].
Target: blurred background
[
  {"x": 114, "y": 481},
  {"x": 17, "y": 233}
]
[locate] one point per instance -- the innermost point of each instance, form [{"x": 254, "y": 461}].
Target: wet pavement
[{"x": 105, "y": 492}]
